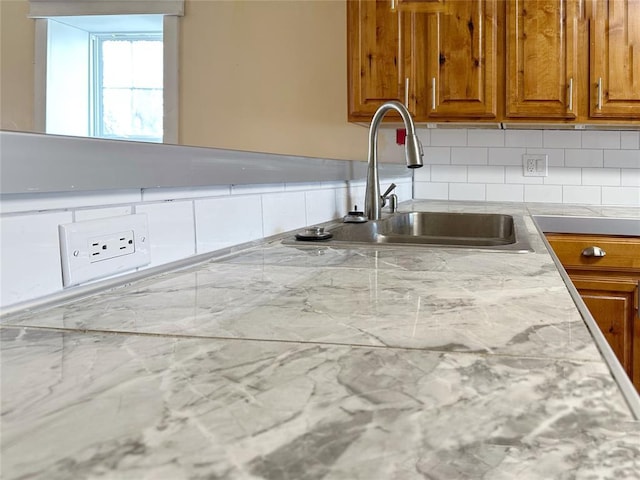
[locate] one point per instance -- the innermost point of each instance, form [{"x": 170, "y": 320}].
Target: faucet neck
[{"x": 372, "y": 199}]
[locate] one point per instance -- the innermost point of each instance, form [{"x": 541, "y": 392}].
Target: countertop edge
[{"x": 623, "y": 381}]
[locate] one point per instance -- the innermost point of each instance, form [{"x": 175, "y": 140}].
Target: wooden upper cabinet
[
  {"x": 382, "y": 52},
  {"x": 542, "y": 59},
  {"x": 462, "y": 61},
  {"x": 422, "y": 6},
  {"x": 614, "y": 90}
]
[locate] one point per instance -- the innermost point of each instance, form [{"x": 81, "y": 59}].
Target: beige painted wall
[
  {"x": 16, "y": 66},
  {"x": 261, "y": 75}
]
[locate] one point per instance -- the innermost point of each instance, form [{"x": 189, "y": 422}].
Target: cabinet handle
[
  {"x": 393, "y": 5},
  {"x": 600, "y": 93},
  {"x": 593, "y": 252},
  {"x": 406, "y": 92},
  {"x": 571, "y": 94},
  {"x": 433, "y": 93}
]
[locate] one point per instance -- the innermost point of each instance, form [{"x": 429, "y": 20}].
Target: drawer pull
[{"x": 593, "y": 252}]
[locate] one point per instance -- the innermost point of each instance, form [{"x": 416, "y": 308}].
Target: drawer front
[{"x": 621, "y": 253}]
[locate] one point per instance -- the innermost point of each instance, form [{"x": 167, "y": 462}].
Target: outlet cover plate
[
  {"x": 535, "y": 164},
  {"x": 78, "y": 251}
]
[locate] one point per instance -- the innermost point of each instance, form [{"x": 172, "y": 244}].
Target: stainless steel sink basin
[{"x": 472, "y": 230}]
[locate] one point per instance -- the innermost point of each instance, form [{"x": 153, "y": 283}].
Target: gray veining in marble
[
  {"x": 118, "y": 406},
  {"x": 278, "y": 362}
]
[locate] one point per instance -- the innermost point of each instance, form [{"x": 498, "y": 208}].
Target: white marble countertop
[{"x": 284, "y": 362}]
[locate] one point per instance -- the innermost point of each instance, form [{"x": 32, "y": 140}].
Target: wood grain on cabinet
[
  {"x": 382, "y": 53},
  {"x": 462, "y": 59},
  {"x": 612, "y": 303},
  {"x": 615, "y": 59},
  {"x": 517, "y": 61},
  {"x": 622, "y": 253},
  {"x": 422, "y": 6},
  {"x": 542, "y": 58}
]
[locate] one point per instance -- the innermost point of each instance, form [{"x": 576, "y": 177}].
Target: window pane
[
  {"x": 147, "y": 64},
  {"x": 117, "y": 69},
  {"x": 131, "y": 87},
  {"x": 147, "y": 113},
  {"x": 116, "y": 115}
]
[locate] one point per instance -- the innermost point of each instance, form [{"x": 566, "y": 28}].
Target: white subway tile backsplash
[
  {"x": 561, "y": 139},
  {"x": 583, "y": 158},
  {"x": 628, "y": 196},
  {"x": 436, "y": 155},
  {"x": 585, "y": 167},
  {"x": 302, "y": 187},
  {"x": 505, "y": 193},
  {"x": 543, "y": 193},
  {"x": 95, "y": 213},
  {"x": 516, "y": 175},
  {"x": 469, "y": 156},
  {"x": 256, "y": 189},
  {"x": 485, "y": 174},
  {"x": 342, "y": 201},
  {"x": 30, "y": 256},
  {"x": 630, "y": 177},
  {"x": 467, "y": 192},
  {"x": 554, "y": 155},
  {"x": 485, "y": 138},
  {"x": 226, "y": 221},
  {"x": 404, "y": 191},
  {"x": 601, "y": 176},
  {"x": 448, "y": 173},
  {"x": 448, "y": 137},
  {"x": 321, "y": 206},
  {"x": 162, "y": 194},
  {"x": 588, "y": 195},
  {"x": 563, "y": 176},
  {"x": 630, "y": 140},
  {"x": 600, "y": 139},
  {"x": 506, "y": 156},
  {"x": 523, "y": 138},
  {"x": 422, "y": 174},
  {"x": 171, "y": 230},
  {"x": 25, "y": 202},
  {"x": 622, "y": 158},
  {"x": 282, "y": 212},
  {"x": 424, "y": 135},
  {"x": 431, "y": 191}
]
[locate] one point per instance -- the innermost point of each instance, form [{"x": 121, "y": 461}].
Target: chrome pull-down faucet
[{"x": 413, "y": 155}]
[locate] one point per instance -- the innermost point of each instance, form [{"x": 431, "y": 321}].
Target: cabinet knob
[{"x": 593, "y": 252}]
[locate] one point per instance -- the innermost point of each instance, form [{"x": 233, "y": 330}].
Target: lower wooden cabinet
[
  {"x": 612, "y": 303},
  {"x": 608, "y": 286}
]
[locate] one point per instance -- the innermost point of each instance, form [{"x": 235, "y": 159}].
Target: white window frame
[{"x": 41, "y": 10}]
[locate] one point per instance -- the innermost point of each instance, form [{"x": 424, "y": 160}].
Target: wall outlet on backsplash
[
  {"x": 99, "y": 248},
  {"x": 535, "y": 165}
]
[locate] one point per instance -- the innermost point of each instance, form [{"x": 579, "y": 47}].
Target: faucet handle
[
  {"x": 385, "y": 195},
  {"x": 388, "y": 191}
]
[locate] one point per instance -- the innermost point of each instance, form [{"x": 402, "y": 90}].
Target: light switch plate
[{"x": 100, "y": 248}]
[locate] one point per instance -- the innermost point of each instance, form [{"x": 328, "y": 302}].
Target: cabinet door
[
  {"x": 542, "y": 58},
  {"x": 462, "y": 60},
  {"x": 615, "y": 59},
  {"x": 382, "y": 47},
  {"x": 423, "y": 6},
  {"x": 613, "y": 305}
]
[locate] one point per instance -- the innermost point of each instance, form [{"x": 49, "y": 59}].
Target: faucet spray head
[{"x": 413, "y": 151}]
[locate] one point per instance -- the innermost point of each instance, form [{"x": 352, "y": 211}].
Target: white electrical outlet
[
  {"x": 99, "y": 248},
  {"x": 535, "y": 165},
  {"x": 110, "y": 246}
]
